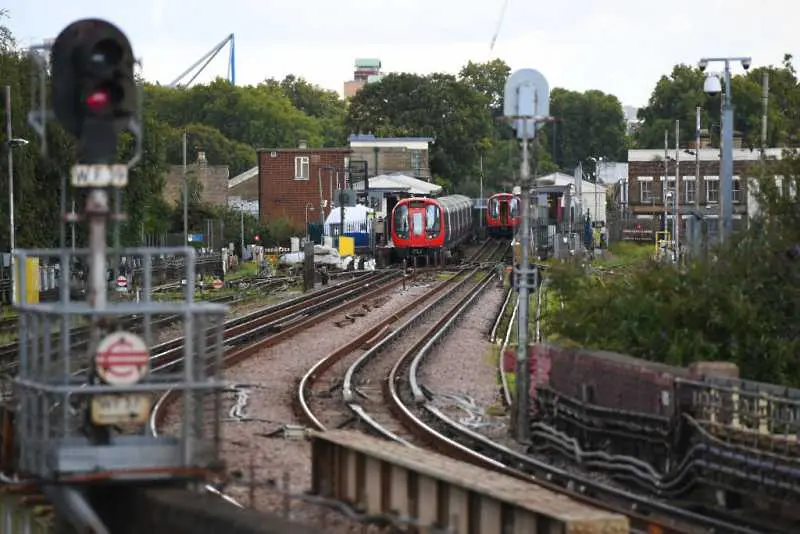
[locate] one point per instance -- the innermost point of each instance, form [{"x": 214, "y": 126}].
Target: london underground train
[
  {"x": 502, "y": 214},
  {"x": 425, "y": 226}
]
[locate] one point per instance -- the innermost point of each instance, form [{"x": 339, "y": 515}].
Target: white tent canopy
[{"x": 356, "y": 219}]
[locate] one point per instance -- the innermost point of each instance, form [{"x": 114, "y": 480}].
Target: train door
[
  {"x": 416, "y": 216},
  {"x": 504, "y": 220}
]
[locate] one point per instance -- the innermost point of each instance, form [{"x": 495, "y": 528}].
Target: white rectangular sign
[
  {"x": 100, "y": 175},
  {"x": 120, "y": 409}
]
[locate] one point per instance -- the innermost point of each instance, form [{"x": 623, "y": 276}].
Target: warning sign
[
  {"x": 122, "y": 359},
  {"x": 218, "y": 283}
]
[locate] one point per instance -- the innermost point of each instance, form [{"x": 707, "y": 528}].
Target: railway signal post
[
  {"x": 527, "y": 104},
  {"x": 84, "y": 416}
]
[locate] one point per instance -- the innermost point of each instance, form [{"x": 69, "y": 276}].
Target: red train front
[
  {"x": 427, "y": 225},
  {"x": 502, "y": 214}
]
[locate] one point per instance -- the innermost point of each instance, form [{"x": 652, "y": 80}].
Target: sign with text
[{"x": 99, "y": 175}]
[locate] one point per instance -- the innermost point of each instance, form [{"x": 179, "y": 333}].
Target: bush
[{"x": 742, "y": 306}]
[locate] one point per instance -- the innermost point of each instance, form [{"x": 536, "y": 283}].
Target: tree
[
  {"x": 587, "y": 124},
  {"x": 489, "y": 79},
  {"x": 676, "y": 97},
  {"x": 439, "y": 106},
  {"x": 219, "y": 149},
  {"x": 271, "y": 118}
]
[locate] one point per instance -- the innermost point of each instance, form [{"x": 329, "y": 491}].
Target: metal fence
[{"x": 165, "y": 269}]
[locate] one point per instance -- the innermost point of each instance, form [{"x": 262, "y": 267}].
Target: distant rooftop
[
  {"x": 368, "y": 63},
  {"x": 371, "y": 138},
  {"x": 400, "y": 182}
]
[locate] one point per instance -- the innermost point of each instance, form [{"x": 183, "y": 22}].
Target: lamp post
[
  {"x": 11, "y": 143},
  {"x": 670, "y": 199},
  {"x": 309, "y": 206},
  {"x": 185, "y": 194},
  {"x": 712, "y": 86}
]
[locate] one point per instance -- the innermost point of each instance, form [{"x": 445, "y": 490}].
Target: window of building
[
  {"x": 646, "y": 190},
  {"x": 416, "y": 161},
  {"x": 689, "y": 189},
  {"x": 737, "y": 189},
  {"x": 712, "y": 188},
  {"x": 301, "y": 168},
  {"x": 669, "y": 187}
]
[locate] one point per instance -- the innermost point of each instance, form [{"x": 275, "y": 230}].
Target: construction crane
[{"x": 206, "y": 59}]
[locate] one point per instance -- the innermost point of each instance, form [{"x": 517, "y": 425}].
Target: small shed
[{"x": 357, "y": 223}]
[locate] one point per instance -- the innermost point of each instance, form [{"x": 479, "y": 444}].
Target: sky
[{"x": 620, "y": 47}]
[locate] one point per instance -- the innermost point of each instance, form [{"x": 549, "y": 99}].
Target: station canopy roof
[{"x": 399, "y": 183}]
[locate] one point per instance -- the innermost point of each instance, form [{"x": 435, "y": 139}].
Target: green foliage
[
  {"x": 589, "y": 124},
  {"x": 741, "y": 307},
  {"x": 677, "y": 96},
  {"x": 437, "y": 105}
]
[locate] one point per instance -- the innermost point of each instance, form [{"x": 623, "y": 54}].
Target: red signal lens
[{"x": 98, "y": 101}]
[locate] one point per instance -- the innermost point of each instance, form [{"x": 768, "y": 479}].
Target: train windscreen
[
  {"x": 514, "y": 205},
  {"x": 494, "y": 207},
  {"x": 401, "y": 220},
  {"x": 433, "y": 220}
]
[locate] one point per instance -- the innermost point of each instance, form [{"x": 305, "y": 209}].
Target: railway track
[
  {"x": 79, "y": 335},
  {"x": 267, "y": 326},
  {"x": 707, "y": 518},
  {"x": 408, "y": 415}
]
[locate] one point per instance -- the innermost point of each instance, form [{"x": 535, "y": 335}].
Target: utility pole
[
  {"x": 676, "y": 223},
  {"x": 666, "y": 181},
  {"x": 712, "y": 86},
  {"x": 321, "y": 201},
  {"x": 241, "y": 228},
  {"x": 185, "y": 195},
  {"x": 765, "y": 109},
  {"x": 480, "y": 219},
  {"x": 72, "y": 225},
  {"x": 696, "y": 228},
  {"x": 697, "y": 161},
  {"x": 11, "y": 232},
  {"x": 527, "y": 103},
  {"x": 341, "y": 207}
]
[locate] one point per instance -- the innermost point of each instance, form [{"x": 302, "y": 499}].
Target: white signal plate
[
  {"x": 120, "y": 409},
  {"x": 100, "y": 175}
]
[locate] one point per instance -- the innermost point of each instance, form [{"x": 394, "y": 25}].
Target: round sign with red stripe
[
  {"x": 122, "y": 281},
  {"x": 122, "y": 359},
  {"x": 218, "y": 283}
]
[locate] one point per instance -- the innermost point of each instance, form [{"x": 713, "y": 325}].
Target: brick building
[
  {"x": 388, "y": 155},
  {"x": 366, "y": 71},
  {"x": 646, "y": 191},
  {"x": 290, "y": 180},
  {"x": 213, "y": 181}
]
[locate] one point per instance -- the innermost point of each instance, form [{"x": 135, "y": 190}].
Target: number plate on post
[
  {"x": 100, "y": 175},
  {"x": 120, "y": 409}
]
